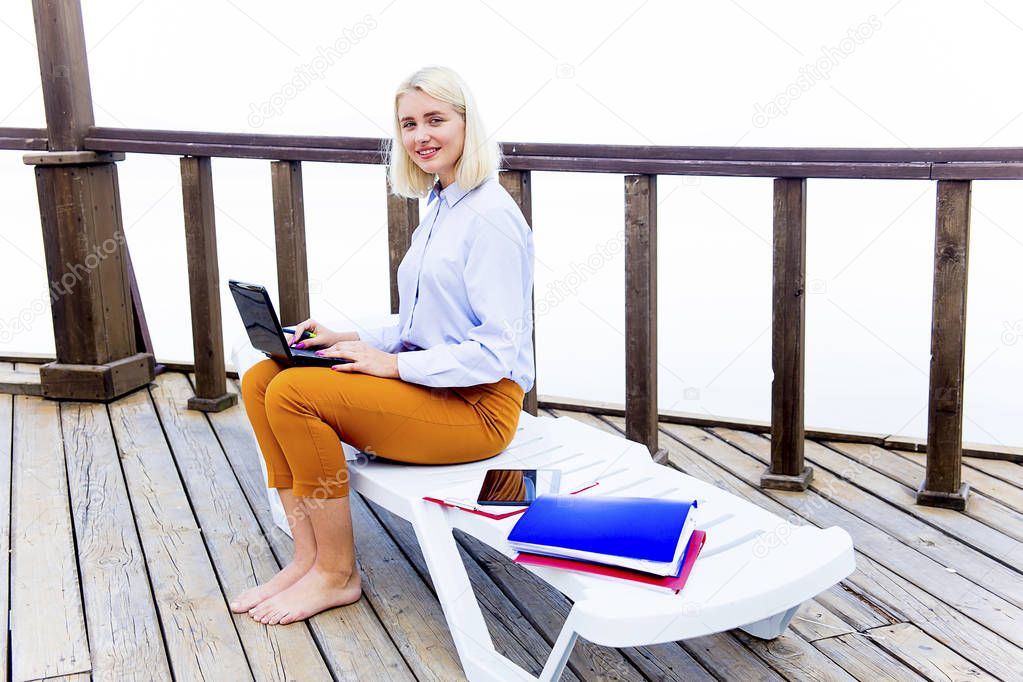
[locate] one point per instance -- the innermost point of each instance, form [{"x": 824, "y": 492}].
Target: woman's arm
[{"x": 498, "y": 277}]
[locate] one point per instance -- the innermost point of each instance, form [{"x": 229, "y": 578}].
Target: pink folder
[{"x": 674, "y": 583}]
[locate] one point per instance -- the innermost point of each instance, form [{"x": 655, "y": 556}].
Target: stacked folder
[{"x": 649, "y": 540}]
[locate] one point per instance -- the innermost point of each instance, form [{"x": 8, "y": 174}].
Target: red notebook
[
  {"x": 674, "y": 583},
  {"x": 490, "y": 515}
]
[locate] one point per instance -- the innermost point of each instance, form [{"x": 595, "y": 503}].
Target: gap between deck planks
[{"x": 715, "y": 460}]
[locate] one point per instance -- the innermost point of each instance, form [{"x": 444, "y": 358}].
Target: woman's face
[{"x": 432, "y": 132}]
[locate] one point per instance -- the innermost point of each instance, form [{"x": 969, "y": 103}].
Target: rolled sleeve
[{"x": 496, "y": 272}]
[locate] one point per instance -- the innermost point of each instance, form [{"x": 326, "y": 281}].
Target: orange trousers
[{"x": 301, "y": 414}]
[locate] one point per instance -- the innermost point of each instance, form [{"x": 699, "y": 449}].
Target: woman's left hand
[{"x": 365, "y": 359}]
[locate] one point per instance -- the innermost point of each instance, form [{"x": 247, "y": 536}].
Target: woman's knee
[
  {"x": 256, "y": 380},
  {"x": 288, "y": 391}
]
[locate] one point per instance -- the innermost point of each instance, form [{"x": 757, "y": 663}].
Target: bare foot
[
  {"x": 288, "y": 576},
  {"x": 316, "y": 591}
]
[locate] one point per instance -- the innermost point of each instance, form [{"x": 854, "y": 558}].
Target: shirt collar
[{"x": 451, "y": 194}]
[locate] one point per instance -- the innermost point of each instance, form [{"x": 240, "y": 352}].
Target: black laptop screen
[{"x": 260, "y": 321}]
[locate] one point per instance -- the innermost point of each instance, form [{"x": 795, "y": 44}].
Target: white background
[{"x": 656, "y": 72}]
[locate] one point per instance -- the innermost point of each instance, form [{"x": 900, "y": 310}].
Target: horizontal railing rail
[{"x": 954, "y": 169}]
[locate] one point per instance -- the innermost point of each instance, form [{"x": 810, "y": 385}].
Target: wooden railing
[
  {"x": 953, "y": 169},
  {"x": 101, "y": 354}
]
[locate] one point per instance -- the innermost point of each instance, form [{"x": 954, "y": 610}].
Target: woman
[{"x": 443, "y": 386}]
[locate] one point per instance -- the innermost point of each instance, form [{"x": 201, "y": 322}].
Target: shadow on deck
[{"x": 132, "y": 523}]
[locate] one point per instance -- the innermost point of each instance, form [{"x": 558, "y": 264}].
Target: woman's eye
[{"x": 436, "y": 120}]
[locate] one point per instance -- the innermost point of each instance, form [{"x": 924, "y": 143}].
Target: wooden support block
[
  {"x": 519, "y": 185},
  {"x": 204, "y": 285},
  {"x": 943, "y": 485},
  {"x": 787, "y": 471},
  {"x": 63, "y": 381},
  {"x": 289, "y": 229},
  {"x": 641, "y": 310}
]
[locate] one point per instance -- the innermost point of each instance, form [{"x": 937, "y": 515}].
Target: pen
[{"x": 305, "y": 335}]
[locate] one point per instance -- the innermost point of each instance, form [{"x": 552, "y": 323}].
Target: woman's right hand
[{"x": 324, "y": 336}]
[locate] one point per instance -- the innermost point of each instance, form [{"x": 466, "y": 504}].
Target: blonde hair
[{"x": 480, "y": 157}]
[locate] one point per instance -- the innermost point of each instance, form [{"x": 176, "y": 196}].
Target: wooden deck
[{"x": 131, "y": 523}]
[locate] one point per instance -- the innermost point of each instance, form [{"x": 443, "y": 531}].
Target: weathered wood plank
[
  {"x": 355, "y": 644},
  {"x": 983, "y": 524},
  {"x": 19, "y": 383},
  {"x": 1010, "y": 472},
  {"x": 241, "y": 555},
  {"x": 641, "y": 310},
  {"x": 901, "y": 597},
  {"x": 794, "y": 657},
  {"x": 788, "y": 338},
  {"x": 926, "y": 656},
  {"x": 859, "y": 654},
  {"x": 124, "y": 629},
  {"x": 513, "y": 635},
  {"x": 201, "y": 638},
  {"x": 47, "y": 619},
  {"x": 289, "y": 231},
  {"x": 942, "y": 485}
]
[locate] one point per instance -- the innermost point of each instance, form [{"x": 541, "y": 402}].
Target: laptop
[{"x": 264, "y": 328}]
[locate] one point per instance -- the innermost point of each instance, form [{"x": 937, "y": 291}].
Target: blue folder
[{"x": 642, "y": 528}]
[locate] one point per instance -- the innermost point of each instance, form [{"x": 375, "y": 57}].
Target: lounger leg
[
  {"x": 559, "y": 654},
  {"x": 480, "y": 660},
  {"x": 772, "y": 627}
]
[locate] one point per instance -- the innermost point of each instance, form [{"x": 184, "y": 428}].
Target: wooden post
[
  {"x": 80, "y": 214},
  {"x": 204, "y": 287},
  {"x": 402, "y": 220},
  {"x": 289, "y": 228},
  {"x": 641, "y": 312},
  {"x": 518, "y": 184},
  {"x": 943, "y": 485},
  {"x": 787, "y": 470}
]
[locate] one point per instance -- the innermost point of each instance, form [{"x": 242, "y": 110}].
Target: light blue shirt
[{"x": 465, "y": 293}]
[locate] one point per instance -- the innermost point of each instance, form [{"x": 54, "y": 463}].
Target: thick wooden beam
[
  {"x": 80, "y": 215},
  {"x": 211, "y": 394},
  {"x": 64, "y": 72},
  {"x": 943, "y": 485},
  {"x": 641, "y": 311},
  {"x": 787, "y": 470},
  {"x": 402, "y": 220},
  {"x": 518, "y": 184},
  {"x": 289, "y": 228}
]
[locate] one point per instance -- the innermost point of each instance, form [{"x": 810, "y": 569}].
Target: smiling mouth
[{"x": 427, "y": 153}]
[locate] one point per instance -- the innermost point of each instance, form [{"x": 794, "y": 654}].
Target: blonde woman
[{"x": 443, "y": 386}]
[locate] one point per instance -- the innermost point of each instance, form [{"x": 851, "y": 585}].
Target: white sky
[{"x": 657, "y": 72}]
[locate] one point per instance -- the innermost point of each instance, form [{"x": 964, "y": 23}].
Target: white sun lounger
[{"x": 753, "y": 573}]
